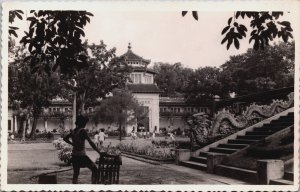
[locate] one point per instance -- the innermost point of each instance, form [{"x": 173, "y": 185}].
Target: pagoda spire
[{"x": 129, "y": 46}]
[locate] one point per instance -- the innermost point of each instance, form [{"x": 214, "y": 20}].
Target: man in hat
[{"x": 79, "y": 157}]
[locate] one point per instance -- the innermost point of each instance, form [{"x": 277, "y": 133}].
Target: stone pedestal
[
  {"x": 269, "y": 169},
  {"x": 182, "y": 155},
  {"x": 213, "y": 160}
]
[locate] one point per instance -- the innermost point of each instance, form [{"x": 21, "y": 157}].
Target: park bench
[{"x": 108, "y": 168}]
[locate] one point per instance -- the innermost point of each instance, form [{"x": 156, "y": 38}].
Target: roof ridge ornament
[{"x": 129, "y": 46}]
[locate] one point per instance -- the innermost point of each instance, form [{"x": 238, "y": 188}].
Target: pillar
[
  {"x": 15, "y": 128},
  {"x": 29, "y": 126},
  {"x": 214, "y": 159},
  {"x": 269, "y": 169}
]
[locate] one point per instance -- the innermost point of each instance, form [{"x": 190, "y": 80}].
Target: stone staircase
[{"x": 241, "y": 142}]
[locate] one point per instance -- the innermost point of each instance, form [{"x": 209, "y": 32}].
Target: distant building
[{"x": 173, "y": 112}]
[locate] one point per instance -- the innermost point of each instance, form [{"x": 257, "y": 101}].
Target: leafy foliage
[
  {"x": 30, "y": 91},
  {"x": 203, "y": 84},
  {"x": 11, "y": 18},
  {"x": 55, "y": 36},
  {"x": 121, "y": 108},
  {"x": 147, "y": 148},
  {"x": 257, "y": 71},
  {"x": 265, "y": 27},
  {"x": 171, "y": 78},
  {"x": 104, "y": 73}
]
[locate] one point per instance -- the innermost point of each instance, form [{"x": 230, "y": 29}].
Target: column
[
  {"x": 29, "y": 126},
  {"x": 15, "y": 128},
  {"x": 46, "y": 125}
]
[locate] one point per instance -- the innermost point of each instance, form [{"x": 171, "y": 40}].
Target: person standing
[
  {"x": 96, "y": 139},
  {"x": 79, "y": 158},
  {"x": 102, "y": 136}
]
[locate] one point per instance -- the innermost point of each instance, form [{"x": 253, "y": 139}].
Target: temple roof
[
  {"x": 143, "y": 88},
  {"x": 130, "y": 56}
]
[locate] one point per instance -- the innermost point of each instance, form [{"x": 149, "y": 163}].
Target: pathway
[{"x": 28, "y": 160}]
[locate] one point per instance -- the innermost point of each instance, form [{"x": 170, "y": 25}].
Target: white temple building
[{"x": 144, "y": 89}]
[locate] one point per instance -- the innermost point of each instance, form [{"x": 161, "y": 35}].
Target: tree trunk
[
  {"x": 120, "y": 128},
  {"x": 26, "y": 126},
  {"x": 82, "y": 107},
  {"x": 33, "y": 128}
]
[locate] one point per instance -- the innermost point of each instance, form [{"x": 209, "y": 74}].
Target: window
[
  {"x": 50, "y": 109},
  {"x": 136, "y": 78},
  {"x": 148, "y": 79},
  {"x": 66, "y": 109}
]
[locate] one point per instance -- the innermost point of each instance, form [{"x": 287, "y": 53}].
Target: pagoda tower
[{"x": 144, "y": 89}]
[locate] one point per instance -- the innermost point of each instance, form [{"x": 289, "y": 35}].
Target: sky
[{"x": 165, "y": 36}]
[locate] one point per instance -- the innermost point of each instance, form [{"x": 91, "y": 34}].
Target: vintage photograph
[{"x": 129, "y": 97}]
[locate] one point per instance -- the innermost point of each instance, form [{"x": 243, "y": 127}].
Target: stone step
[
  {"x": 281, "y": 182},
  {"x": 237, "y": 173},
  {"x": 233, "y": 146},
  {"x": 222, "y": 150},
  {"x": 288, "y": 176},
  {"x": 280, "y": 124},
  {"x": 204, "y": 153},
  {"x": 259, "y": 132},
  {"x": 268, "y": 129},
  {"x": 252, "y": 137},
  {"x": 194, "y": 165},
  {"x": 241, "y": 141},
  {"x": 199, "y": 159}
]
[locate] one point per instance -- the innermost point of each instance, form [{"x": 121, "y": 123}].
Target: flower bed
[{"x": 147, "y": 148}]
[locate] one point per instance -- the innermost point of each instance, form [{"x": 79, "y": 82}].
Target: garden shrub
[
  {"x": 147, "y": 148},
  {"x": 64, "y": 150}
]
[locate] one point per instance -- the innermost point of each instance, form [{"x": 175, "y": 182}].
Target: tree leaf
[
  {"x": 236, "y": 43},
  {"x": 225, "y": 29},
  {"x": 183, "y": 13},
  {"x": 224, "y": 40},
  {"x": 285, "y": 23},
  {"x": 243, "y": 27},
  {"x": 242, "y": 32},
  {"x": 12, "y": 32},
  {"x": 229, "y": 43},
  {"x": 229, "y": 20},
  {"x": 195, "y": 14}
]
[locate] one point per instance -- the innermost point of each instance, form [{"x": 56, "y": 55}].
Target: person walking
[{"x": 79, "y": 158}]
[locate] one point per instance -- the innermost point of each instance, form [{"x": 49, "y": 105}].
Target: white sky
[{"x": 164, "y": 36}]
